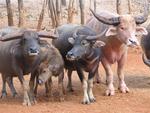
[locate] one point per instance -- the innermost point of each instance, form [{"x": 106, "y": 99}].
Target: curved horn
[
  {"x": 142, "y": 18},
  {"x": 145, "y": 60},
  {"x": 97, "y": 37},
  {"x": 75, "y": 33},
  {"x": 45, "y": 34},
  {"x": 11, "y": 36},
  {"x": 110, "y": 21}
]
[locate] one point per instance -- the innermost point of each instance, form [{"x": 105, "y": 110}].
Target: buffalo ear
[
  {"x": 71, "y": 40},
  {"x": 98, "y": 44},
  {"x": 141, "y": 31},
  {"x": 111, "y": 31}
]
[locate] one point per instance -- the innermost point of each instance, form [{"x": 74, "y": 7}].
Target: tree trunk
[
  {"x": 82, "y": 12},
  {"x": 21, "y": 13},
  {"x": 58, "y": 11},
  {"x": 55, "y": 9},
  {"x": 70, "y": 11},
  {"x": 9, "y": 13},
  {"x": 51, "y": 10},
  {"x": 118, "y": 6},
  {"x": 41, "y": 17},
  {"x": 63, "y": 2},
  {"x": 95, "y": 5},
  {"x": 129, "y": 6}
]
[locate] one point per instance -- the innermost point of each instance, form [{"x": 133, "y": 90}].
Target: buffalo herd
[{"x": 106, "y": 38}]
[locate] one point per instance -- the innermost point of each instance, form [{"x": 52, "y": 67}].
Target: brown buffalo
[{"x": 121, "y": 31}]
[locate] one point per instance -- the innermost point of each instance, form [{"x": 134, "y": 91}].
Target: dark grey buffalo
[
  {"x": 19, "y": 55},
  {"x": 78, "y": 47},
  {"x": 145, "y": 43}
]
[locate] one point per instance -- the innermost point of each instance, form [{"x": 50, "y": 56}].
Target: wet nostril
[
  {"x": 32, "y": 50},
  {"x": 40, "y": 82},
  {"x": 133, "y": 42},
  {"x": 70, "y": 54}
]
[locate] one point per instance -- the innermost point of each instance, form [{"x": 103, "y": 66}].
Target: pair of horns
[
  {"x": 96, "y": 37},
  {"x": 115, "y": 20},
  {"x": 17, "y": 35}
]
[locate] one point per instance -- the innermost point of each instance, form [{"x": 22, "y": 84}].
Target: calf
[{"x": 51, "y": 65}]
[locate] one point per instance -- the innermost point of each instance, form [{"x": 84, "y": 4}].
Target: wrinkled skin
[{"x": 117, "y": 38}]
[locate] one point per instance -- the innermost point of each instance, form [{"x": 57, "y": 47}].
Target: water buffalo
[
  {"x": 79, "y": 50},
  {"x": 121, "y": 31},
  {"x": 145, "y": 44},
  {"x": 51, "y": 64},
  {"x": 19, "y": 55}
]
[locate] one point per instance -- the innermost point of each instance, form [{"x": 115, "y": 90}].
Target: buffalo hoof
[
  {"x": 15, "y": 94},
  {"x": 32, "y": 99},
  {"x": 86, "y": 101},
  {"x": 4, "y": 95},
  {"x": 92, "y": 100},
  {"x": 110, "y": 90},
  {"x": 61, "y": 99},
  {"x": 26, "y": 103},
  {"x": 124, "y": 89},
  {"x": 97, "y": 81},
  {"x": 70, "y": 89}
]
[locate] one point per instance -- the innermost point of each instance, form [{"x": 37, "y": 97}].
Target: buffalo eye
[
  {"x": 44, "y": 71},
  {"x": 122, "y": 28},
  {"x": 84, "y": 43},
  {"x": 23, "y": 41}
]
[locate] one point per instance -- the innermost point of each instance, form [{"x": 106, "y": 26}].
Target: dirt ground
[{"x": 137, "y": 77}]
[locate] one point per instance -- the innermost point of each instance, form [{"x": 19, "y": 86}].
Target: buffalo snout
[
  {"x": 33, "y": 51},
  {"x": 132, "y": 43},
  {"x": 40, "y": 82},
  {"x": 70, "y": 56}
]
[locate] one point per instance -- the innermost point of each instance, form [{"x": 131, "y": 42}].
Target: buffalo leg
[
  {"x": 48, "y": 87},
  {"x": 69, "y": 86},
  {"x": 97, "y": 78},
  {"x": 11, "y": 86},
  {"x": 61, "y": 86},
  {"x": 25, "y": 86},
  {"x": 109, "y": 77},
  {"x": 122, "y": 85},
  {"x": 90, "y": 91},
  {"x": 90, "y": 83},
  {"x": 36, "y": 87},
  {"x": 86, "y": 99},
  {"x": 4, "y": 93},
  {"x": 32, "y": 87}
]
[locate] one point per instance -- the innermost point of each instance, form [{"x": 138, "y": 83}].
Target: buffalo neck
[
  {"x": 91, "y": 56},
  {"x": 114, "y": 43}
]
